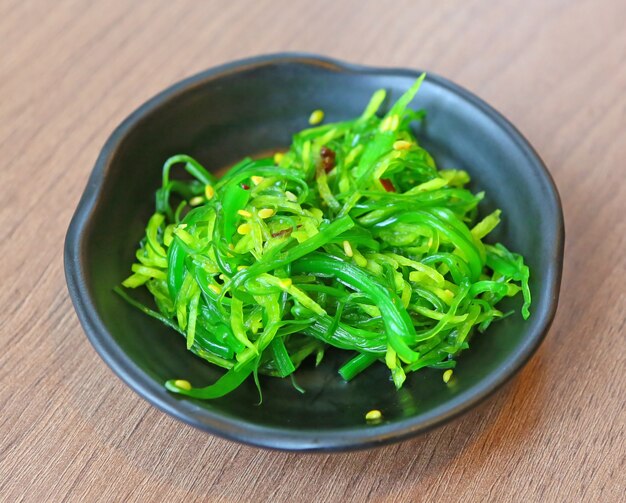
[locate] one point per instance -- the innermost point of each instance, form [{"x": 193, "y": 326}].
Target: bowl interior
[{"x": 219, "y": 119}]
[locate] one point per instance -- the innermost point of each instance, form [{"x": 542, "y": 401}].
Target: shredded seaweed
[{"x": 352, "y": 239}]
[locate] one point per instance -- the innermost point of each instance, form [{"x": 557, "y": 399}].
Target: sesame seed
[
  {"x": 215, "y": 289},
  {"x": 182, "y": 384},
  {"x": 278, "y": 156},
  {"x": 285, "y": 283},
  {"x": 244, "y": 229},
  {"x": 231, "y": 246},
  {"x": 182, "y": 226},
  {"x": 291, "y": 196},
  {"x": 195, "y": 201},
  {"x": 256, "y": 180},
  {"x": 401, "y": 145},
  {"x": 209, "y": 191},
  {"x": 347, "y": 248},
  {"x": 242, "y": 267},
  {"x": 360, "y": 260},
  {"x": 316, "y": 117},
  {"x": 373, "y": 415},
  {"x": 447, "y": 375},
  {"x": 266, "y": 213},
  {"x": 222, "y": 277},
  {"x": 244, "y": 213}
]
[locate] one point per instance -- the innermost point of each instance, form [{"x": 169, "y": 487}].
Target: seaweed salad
[{"x": 352, "y": 240}]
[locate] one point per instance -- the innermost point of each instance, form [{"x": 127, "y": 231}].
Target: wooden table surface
[{"x": 71, "y": 70}]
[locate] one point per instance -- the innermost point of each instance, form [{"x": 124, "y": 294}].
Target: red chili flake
[
  {"x": 388, "y": 186},
  {"x": 245, "y": 187},
  {"x": 284, "y": 232},
  {"x": 328, "y": 158}
]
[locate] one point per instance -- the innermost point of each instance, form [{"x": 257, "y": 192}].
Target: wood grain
[{"x": 71, "y": 70}]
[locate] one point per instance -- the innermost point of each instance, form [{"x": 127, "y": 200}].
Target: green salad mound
[{"x": 352, "y": 240}]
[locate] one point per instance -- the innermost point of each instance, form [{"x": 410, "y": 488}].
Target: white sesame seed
[
  {"x": 316, "y": 117},
  {"x": 347, "y": 249},
  {"x": 373, "y": 415},
  {"x": 401, "y": 145},
  {"x": 266, "y": 213},
  {"x": 244, "y": 229},
  {"x": 182, "y": 384}
]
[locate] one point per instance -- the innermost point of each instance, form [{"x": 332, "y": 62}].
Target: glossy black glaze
[{"x": 252, "y": 106}]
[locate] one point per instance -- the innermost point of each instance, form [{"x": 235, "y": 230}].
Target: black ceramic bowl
[{"x": 253, "y": 106}]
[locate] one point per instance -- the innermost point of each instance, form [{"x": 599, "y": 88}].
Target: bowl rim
[{"x": 340, "y": 439}]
